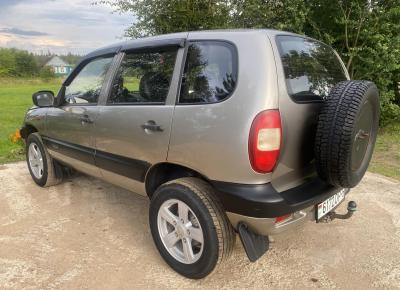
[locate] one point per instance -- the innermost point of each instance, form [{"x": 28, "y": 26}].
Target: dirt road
[{"x": 87, "y": 234}]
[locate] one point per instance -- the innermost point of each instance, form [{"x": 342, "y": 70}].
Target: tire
[
  {"x": 218, "y": 234},
  {"x": 51, "y": 172},
  {"x": 346, "y": 133}
]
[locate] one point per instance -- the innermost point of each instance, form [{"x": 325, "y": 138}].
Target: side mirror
[{"x": 43, "y": 98}]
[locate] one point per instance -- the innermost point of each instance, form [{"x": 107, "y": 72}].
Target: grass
[
  {"x": 132, "y": 83},
  {"x": 386, "y": 158},
  {"x": 15, "y": 99}
]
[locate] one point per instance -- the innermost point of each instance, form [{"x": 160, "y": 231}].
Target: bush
[
  {"x": 17, "y": 63},
  {"x": 46, "y": 73},
  {"x": 7, "y": 63},
  {"x": 390, "y": 111}
]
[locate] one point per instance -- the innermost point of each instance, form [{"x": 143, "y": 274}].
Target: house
[{"x": 60, "y": 67}]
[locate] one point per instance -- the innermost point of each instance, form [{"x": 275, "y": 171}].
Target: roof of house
[{"x": 57, "y": 61}]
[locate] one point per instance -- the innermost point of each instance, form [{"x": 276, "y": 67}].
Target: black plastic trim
[
  {"x": 128, "y": 167},
  {"x": 264, "y": 201},
  {"x": 254, "y": 244},
  {"x": 23, "y": 131},
  {"x": 75, "y": 151},
  {"x": 137, "y": 104},
  {"x": 148, "y": 45}
]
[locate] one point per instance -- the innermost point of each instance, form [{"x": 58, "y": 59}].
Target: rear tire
[
  {"x": 346, "y": 133},
  {"x": 43, "y": 169},
  {"x": 217, "y": 233}
]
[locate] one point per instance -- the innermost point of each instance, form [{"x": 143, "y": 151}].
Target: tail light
[
  {"x": 280, "y": 219},
  {"x": 265, "y": 141}
]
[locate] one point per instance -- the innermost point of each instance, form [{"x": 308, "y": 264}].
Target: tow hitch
[{"x": 351, "y": 209}]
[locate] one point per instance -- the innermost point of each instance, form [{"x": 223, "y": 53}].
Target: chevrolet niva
[{"x": 234, "y": 131}]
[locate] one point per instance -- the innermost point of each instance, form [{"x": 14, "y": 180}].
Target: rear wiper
[{"x": 305, "y": 96}]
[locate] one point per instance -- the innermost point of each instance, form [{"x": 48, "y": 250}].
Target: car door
[
  {"x": 134, "y": 123},
  {"x": 70, "y": 125}
]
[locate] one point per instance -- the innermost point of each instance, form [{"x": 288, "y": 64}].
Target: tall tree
[
  {"x": 163, "y": 16},
  {"x": 287, "y": 15},
  {"x": 25, "y": 63},
  {"x": 366, "y": 33},
  {"x": 7, "y": 62}
]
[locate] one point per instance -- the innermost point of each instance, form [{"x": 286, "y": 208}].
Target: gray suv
[{"x": 246, "y": 131}]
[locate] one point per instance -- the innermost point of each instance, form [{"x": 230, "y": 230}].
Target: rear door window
[
  {"x": 210, "y": 74},
  {"x": 311, "y": 68},
  {"x": 143, "y": 78}
]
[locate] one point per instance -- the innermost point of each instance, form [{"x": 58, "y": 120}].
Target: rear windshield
[{"x": 311, "y": 68}]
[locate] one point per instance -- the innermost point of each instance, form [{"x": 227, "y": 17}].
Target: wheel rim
[
  {"x": 35, "y": 160},
  {"x": 180, "y": 231}
]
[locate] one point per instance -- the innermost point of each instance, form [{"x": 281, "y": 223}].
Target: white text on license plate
[{"x": 326, "y": 206}]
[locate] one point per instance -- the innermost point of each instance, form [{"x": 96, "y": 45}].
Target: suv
[{"x": 242, "y": 131}]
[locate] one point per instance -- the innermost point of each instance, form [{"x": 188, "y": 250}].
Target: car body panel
[
  {"x": 210, "y": 139},
  {"x": 119, "y": 131},
  {"x": 64, "y": 125},
  {"x": 213, "y": 138},
  {"x": 36, "y": 117},
  {"x": 299, "y": 122}
]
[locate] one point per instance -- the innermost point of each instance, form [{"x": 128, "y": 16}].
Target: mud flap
[{"x": 255, "y": 245}]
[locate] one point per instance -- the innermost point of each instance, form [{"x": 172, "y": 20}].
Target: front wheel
[
  {"x": 43, "y": 169},
  {"x": 189, "y": 227}
]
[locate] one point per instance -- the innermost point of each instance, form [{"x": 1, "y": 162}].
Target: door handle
[
  {"x": 85, "y": 119},
  {"x": 152, "y": 126}
]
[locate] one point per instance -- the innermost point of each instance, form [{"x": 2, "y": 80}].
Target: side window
[
  {"x": 143, "y": 78},
  {"x": 311, "y": 68},
  {"x": 210, "y": 72},
  {"x": 86, "y": 86}
]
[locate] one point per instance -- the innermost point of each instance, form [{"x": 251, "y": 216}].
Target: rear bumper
[
  {"x": 267, "y": 226},
  {"x": 259, "y": 205},
  {"x": 263, "y": 201}
]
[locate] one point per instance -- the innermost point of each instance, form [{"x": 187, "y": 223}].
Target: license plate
[{"x": 326, "y": 206}]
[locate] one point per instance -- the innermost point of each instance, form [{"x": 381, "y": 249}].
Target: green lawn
[
  {"x": 15, "y": 99},
  {"x": 386, "y": 158},
  {"x": 132, "y": 83}
]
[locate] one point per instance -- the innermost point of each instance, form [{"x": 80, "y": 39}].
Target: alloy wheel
[{"x": 180, "y": 231}]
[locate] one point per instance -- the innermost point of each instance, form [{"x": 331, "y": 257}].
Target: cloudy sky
[{"x": 60, "y": 26}]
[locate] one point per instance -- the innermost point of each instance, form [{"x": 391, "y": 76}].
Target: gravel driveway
[{"x": 88, "y": 234}]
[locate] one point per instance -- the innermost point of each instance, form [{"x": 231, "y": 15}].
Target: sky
[{"x": 59, "y": 26}]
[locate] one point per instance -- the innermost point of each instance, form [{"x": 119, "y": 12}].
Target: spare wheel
[{"x": 346, "y": 132}]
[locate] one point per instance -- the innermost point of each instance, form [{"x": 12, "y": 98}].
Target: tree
[
  {"x": 366, "y": 35},
  {"x": 163, "y": 16},
  {"x": 46, "y": 73},
  {"x": 287, "y": 15},
  {"x": 17, "y": 63},
  {"x": 70, "y": 58},
  {"x": 364, "y": 32},
  {"x": 7, "y": 62},
  {"x": 25, "y": 64}
]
